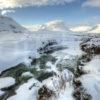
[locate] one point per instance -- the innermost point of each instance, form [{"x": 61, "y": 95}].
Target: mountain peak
[{"x": 7, "y": 24}]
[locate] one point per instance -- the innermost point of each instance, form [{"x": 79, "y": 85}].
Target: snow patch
[
  {"x": 6, "y": 82},
  {"x": 2, "y": 93},
  {"x": 91, "y": 82},
  {"x": 25, "y": 92},
  {"x": 93, "y": 66},
  {"x": 27, "y": 74}
]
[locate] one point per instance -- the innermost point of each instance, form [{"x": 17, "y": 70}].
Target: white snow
[
  {"x": 27, "y": 74},
  {"x": 62, "y": 85},
  {"x": 25, "y": 93},
  {"x": 91, "y": 82},
  {"x": 66, "y": 75},
  {"x": 6, "y": 82},
  {"x": 2, "y": 93},
  {"x": 51, "y": 67},
  {"x": 29, "y": 90},
  {"x": 66, "y": 94},
  {"x": 19, "y": 46},
  {"x": 93, "y": 66},
  {"x": 9, "y": 25}
]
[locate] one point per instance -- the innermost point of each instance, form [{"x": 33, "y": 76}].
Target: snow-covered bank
[
  {"x": 93, "y": 66},
  {"x": 91, "y": 82},
  {"x": 24, "y": 93},
  {"x": 6, "y": 82},
  {"x": 61, "y": 85}
]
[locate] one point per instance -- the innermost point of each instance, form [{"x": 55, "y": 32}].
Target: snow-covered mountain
[
  {"x": 95, "y": 29},
  {"x": 7, "y": 24}
]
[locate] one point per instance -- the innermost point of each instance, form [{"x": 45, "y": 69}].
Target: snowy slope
[{"x": 9, "y": 25}]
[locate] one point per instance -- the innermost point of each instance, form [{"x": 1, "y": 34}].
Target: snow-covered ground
[
  {"x": 18, "y": 44},
  {"x": 62, "y": 91},
  {"x": 24, "y": 93},
  {"x": 15, "y": 48},
  {"x": 91, "y": 83},
  {"x": 93, "y": 66},
  {"x": 6, "y": 82}
]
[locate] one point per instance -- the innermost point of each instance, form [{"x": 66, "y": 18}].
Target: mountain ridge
[{"x": 7, "y": 24}]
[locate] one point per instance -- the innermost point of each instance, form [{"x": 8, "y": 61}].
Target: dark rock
[{"x": 45, "y": 93}]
